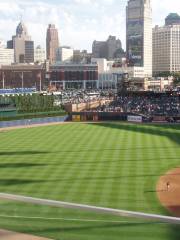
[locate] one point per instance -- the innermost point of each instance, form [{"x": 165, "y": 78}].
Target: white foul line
[
  {"x": 75, "y": 219},
  {"x": 116, "y": 212},
  {"x": 65, "y": 219}
]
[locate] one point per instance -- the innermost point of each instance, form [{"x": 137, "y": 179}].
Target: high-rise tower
[
  {"x": 22, "y": 44},
  {"x": 172, "y": 19},
  {"x": 139, "y": 35},
  {"x": 166, "y": 49},
  {"x": 52, "y": 43}
]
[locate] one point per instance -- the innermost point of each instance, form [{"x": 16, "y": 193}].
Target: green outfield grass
[{"x": 112, "y": 165}]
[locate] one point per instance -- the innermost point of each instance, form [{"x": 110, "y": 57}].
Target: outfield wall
[
  {"x": 98, "y": 116},
  {"x": 33, "y": 121},
  {"x": 118, "y": 116}
]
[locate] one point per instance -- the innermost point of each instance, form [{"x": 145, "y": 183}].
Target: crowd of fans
[
  {"x": 84, "y": 96},
  {"x": 164, "y": 105},
  {"x": 149, "y": 105}
]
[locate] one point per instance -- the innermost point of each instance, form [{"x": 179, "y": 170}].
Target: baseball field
[{"x": 114, "y": 165}]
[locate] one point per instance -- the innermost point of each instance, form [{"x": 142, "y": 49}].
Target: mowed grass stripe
[
  {"x": 138, "y": 169},
  {"x": 125, "y": 154},
  {"x": 102, "y": 164},
  {"x": 114, "y": 184},
  {"x": 92, "y": 184},
  {"x": 74, "y": 190},
  {"x": 104, "y": 174},
  {"x": 122, "y": 198}
]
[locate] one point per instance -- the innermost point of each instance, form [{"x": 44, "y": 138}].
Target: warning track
[{"x": 8, "y": 235}]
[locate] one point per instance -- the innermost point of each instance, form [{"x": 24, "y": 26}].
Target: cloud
[{"x": 79, "y": 21}]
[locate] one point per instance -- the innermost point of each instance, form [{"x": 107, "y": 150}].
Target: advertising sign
[
  {"x": 134, "y": 118},
  {"x": 135, "y": 42},
  {"x": 76, "y": 118}
]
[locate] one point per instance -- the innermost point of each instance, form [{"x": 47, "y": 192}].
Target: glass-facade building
[{"x": 139, "y": 35}]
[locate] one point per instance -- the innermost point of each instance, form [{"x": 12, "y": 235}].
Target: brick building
[
  {"x": 70, "y": 76},
  {"x": 22, "y": 76}
]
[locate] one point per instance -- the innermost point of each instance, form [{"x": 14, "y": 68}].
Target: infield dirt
[{"x": 168, "y": 191}]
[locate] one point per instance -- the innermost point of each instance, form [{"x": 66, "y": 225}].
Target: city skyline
[{"x": 79, "y": 21}]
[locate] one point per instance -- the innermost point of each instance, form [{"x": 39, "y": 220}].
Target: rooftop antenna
[{"x": 21, "y": 15}]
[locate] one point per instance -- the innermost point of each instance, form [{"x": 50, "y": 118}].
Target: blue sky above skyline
[{"x": 79, "y": 21}]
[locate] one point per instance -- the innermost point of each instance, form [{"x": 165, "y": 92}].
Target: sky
[{"x": 79, "y": 22}]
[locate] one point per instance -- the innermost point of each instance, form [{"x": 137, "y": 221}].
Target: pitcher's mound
[
  {"x": 168, "y": 191},
  {"x": 7, "y": 235}
]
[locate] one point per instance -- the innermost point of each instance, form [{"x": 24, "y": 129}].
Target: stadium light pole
[
  {"x": 40, "y": 81},
  {"x": 3, "y": 80},
  {"x": 22, "y": 78},
  {"x": 40, "y": 76}
]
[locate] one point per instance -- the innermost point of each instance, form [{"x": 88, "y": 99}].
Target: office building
[
  {"x": 6, "y": 56},
  {"x": 39, "y": 54},
  {"x": 81, "y": 57},
  {"x": 103, "y": 65},
  {"x": 2, "y": 44},
  {"x": 139, "y": 35},
  {"x": 99, "y": 49},
  {"x": 23, "y": 76},
  {"x": 64, "y": 54},
  {"x": 73, "y": 76},
  {"x": 52, "y": 43},
  {"x": 172, "y": 19},
  {"x": 22, "y": 44},
  {"x": 166, "y": 49},
  {"x": 106, "y": 49}
]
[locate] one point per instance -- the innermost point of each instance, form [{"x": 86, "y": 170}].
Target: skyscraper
[
  {"x": 166, "y": 49},
  {"x": 172, "y": 19},
  {"x": 139, "y": 35},
  {"x": 52, "y": 43},
  {"x": 106, "y": 49},
  {"x": 22, "y": 44}
]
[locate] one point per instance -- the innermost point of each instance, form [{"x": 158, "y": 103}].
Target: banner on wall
[
  {"x": 132, "y": 118},
  {"x": 76, "y": 118}
]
